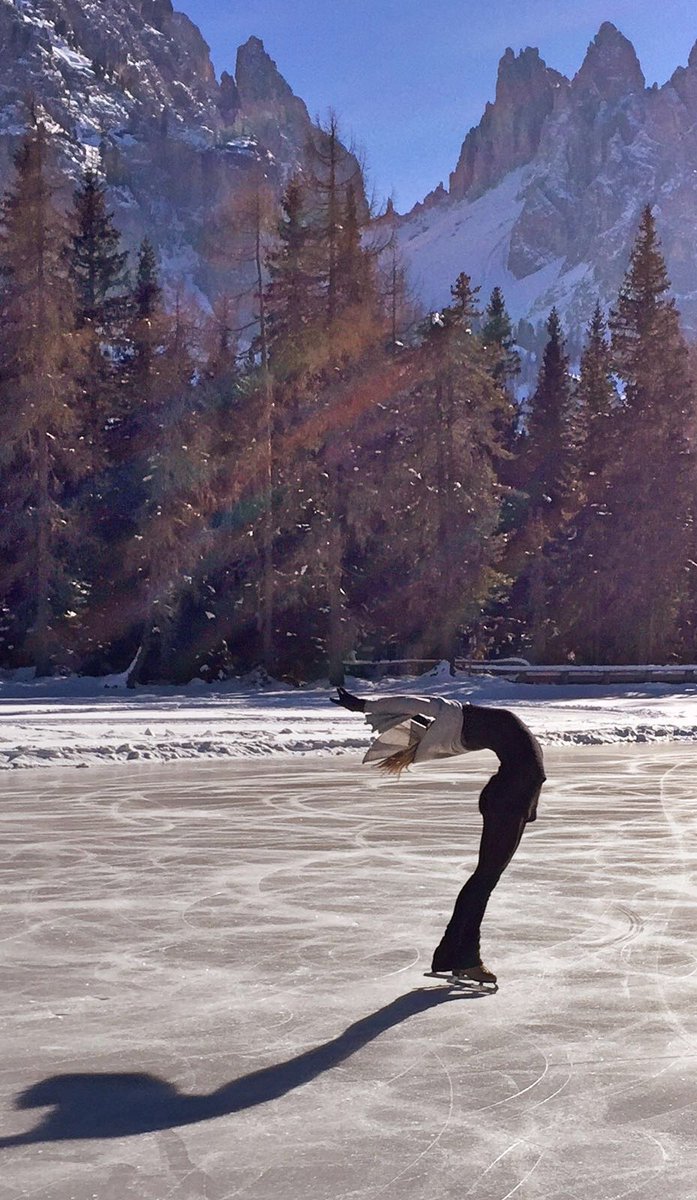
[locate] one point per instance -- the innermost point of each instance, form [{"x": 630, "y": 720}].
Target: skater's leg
[{"x": 501, "y": 834}]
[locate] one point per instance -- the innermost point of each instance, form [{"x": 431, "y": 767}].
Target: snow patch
[
  {"x": 475, "y": 236},
  {"x": 72, "y": 59},
  {"x": 83, "y": 722}
]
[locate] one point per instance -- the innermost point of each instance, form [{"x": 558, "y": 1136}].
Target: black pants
[{"x": 506, "y": 805}]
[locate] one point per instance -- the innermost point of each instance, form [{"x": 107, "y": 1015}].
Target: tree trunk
[
  {"x": 267, "y": 543},
  {"x": 332, "y": 224},
  {"x": 445, "y": 639},
  {"x": 537, "y": 606},
  {"x": 42, "y": 614},
  {"x": 335, "y": 595},
  {"x": 134, "y": 676}
]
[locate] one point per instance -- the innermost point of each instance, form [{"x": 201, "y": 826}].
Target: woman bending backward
[{"x": 413, "y": 729}]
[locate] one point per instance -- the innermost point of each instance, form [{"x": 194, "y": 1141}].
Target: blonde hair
[{"x": 396, "y": 763}]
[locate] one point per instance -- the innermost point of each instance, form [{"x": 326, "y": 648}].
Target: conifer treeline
[{"x": 305, "y": 471}]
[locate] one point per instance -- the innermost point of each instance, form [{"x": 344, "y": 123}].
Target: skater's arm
[{"x": 407, "y": 706}]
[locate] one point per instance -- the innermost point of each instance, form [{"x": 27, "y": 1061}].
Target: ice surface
[
  {"x": 84, "y": 722},
  {"x": 212, "y": 984}
]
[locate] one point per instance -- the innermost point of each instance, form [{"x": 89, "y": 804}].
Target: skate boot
[{"x": 477, "y": 973}]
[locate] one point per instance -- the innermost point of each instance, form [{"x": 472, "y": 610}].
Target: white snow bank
[{"x": 83, "y": 722}]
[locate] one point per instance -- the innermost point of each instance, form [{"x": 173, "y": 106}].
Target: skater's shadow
[{"x": 110, "y": 1105}]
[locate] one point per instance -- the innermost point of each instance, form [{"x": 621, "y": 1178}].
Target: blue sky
[{"x": 408, "y": 79}]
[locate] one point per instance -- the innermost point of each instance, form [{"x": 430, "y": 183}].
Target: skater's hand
[{"x": 347, "y": 700}]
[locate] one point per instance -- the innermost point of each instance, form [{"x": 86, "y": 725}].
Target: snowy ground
[
  {"x": 212, "y": 984},
  {"x": 88, "y": 722}
]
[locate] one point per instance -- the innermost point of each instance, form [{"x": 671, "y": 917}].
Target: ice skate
[{"x": 477, "y": 973}]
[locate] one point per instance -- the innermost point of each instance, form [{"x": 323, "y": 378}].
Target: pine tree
[
  {"x": 147, "y": 292},
  {"x": 626, "y": 567},
  {"x": 497, "y": 333},
  {"x": 220, "y": 340},
  {"x": 545, "y": 473},
  {"x": 597, "y": 400},
  {"x": 575, "y": 594},
  {"x": 100, "y": 280},
  {"x": 146, "y": 331},
  {"x": 98, "y": 265},
  {"x": 497, "y": 337},
  {"x": 549, "y": 445},
  {"x": 292, "y": 293},
  {"x": 651, "y": 495},
  {"x": 40, "y": 360},
  {"x": 353, "y": 262}
]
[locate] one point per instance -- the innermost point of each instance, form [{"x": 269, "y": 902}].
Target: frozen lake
[{"x": 213, "y": 984}]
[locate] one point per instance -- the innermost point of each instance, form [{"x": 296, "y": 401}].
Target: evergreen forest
[{"x": 312, "y": 469}]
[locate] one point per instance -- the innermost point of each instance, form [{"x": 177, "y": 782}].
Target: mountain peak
[
  {"x": 257, "y": 76},
  {"x": 517, "y": 68},
  {"x": 611, "y": 69},
  {"x": 509, "y": 133}
]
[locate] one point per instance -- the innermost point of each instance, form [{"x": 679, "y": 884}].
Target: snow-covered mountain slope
[
  {"x": 128, "y": 86},
  {"x": 477, "y": 235},
  {"x": 546, "y": 196}
]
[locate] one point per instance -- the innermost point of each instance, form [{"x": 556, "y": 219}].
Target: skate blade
[{"x": 457, "y": 981}]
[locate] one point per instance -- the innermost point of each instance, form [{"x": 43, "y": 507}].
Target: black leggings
[{"x": 504, "y": 823}]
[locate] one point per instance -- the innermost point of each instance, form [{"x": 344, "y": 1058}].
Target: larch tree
[
  {"x": 345, "y": 327},
  {"x": 243, "y": 231},
  {"x": 41, "y": 453},
  {"x": 169, "y": 544}
]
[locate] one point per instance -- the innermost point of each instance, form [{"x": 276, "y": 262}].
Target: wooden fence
[{"x": 527, "y": 673}]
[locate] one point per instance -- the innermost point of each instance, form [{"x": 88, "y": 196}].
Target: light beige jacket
[{"x": 392, "y": 719}]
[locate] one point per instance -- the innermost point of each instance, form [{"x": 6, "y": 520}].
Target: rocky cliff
[
  {"x": 544, "y": 199},
  {"x": 128, "y": 86},
  {"x": 546, "y": 196}
]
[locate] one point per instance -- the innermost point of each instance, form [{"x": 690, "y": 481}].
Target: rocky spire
[
  {"x": 684, "y": 81},
  {"x": 611, "y": 69},
  {"x": 257, "y": 76},
  {"x": 228, "y": 97},
  {"x": 509, "y": 133}
]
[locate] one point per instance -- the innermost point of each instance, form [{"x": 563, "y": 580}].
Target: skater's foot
[{"x": 477, "y": 973}]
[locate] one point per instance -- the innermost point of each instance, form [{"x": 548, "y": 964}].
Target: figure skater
[{"x": 414, "y": 729}]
